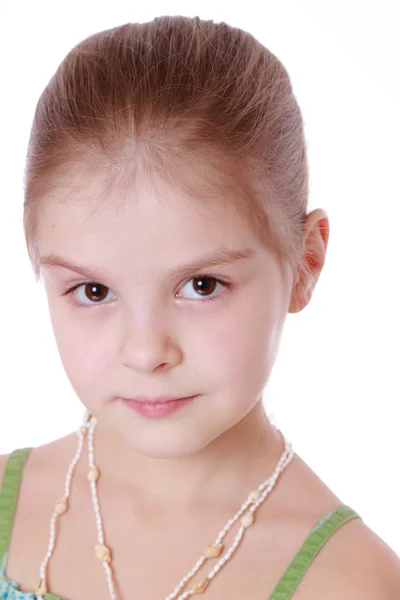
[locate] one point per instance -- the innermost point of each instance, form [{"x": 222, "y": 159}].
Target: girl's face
[{"x": 150, "y": 325}]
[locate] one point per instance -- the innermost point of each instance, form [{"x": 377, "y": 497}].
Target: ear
[{"x": 316, "y": 235}]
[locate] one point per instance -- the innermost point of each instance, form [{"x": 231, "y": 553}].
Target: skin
[
  {"x": 154, "y": 334},
  {"x": 169, "y": 485}
]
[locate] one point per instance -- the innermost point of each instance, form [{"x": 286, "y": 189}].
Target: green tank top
[{"x": 284, "y": 590}]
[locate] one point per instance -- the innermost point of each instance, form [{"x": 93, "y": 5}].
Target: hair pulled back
[{"x": 171, "y": 92}]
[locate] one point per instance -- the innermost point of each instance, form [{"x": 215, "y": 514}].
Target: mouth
[
  {"x": 157, "y": 407},
  {"x": 159, "y": 400}
]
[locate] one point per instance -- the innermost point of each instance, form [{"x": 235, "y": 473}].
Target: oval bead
[
  {"x": 200, "y": 586},
  {"x": 213, "y": 551},
  {"x": 93, "y": 474},
  {"x": 61, "y": 507},
  {"x": 103, "y": 553},
  {"x": 248, "y": 519},
  {"x": 254, "y": 495}
]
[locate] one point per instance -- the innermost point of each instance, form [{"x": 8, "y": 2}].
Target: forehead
[{"x": 87, "y": 213}]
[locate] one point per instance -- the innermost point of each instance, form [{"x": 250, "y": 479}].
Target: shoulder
[
  {"x": 21, "y": 457},
  {"x": 354, "y": 563},
  {"x": 40, "y": 465},
  {"x": 373, "y": 570}
]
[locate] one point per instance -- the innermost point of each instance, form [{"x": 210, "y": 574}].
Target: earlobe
[{"x": 316, "y": 235}]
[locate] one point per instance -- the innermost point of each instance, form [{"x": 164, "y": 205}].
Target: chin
[{"x": 159, "y": 438}]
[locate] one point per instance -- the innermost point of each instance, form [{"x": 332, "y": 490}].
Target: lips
[
  {"x": 157, "y": 407},
  {"x": 159, "y": 400}
]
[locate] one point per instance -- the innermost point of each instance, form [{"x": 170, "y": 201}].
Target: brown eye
[
  {"x": 204, "y": 285},
  {"x": 95, "y": 292},
  {"x": 90, "y": 293}
]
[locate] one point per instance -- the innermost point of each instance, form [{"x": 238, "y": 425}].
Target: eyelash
[{"x": 69, "y": 293}]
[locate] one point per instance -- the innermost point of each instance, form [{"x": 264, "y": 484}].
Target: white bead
[
  {"x": 254, "y": 495},
  {"x": 247, "y": 520}
]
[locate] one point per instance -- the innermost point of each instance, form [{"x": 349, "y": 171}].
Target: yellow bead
[
  {"x": 248, "y": 519},
  {"x": 41, "y": 588},
  {"x": 255, "y": 495},
  {"x": 93, "y": 474},
  {"x": 103, "y": 553},
  {"x": 61, "y": 506},
  {"x": 213, "y": 551},
  {"x": 200, "y": 586}
]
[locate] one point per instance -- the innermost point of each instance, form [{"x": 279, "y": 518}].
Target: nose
[{"x": 148, "y": 349}]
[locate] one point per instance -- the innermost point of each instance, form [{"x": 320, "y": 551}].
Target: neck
[{"x": 238, "y": 461}]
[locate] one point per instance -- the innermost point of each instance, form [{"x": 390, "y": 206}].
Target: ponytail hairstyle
[{"x": 173, "y": 95}]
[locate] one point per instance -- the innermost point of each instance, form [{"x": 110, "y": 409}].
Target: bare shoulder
[
  {"x": 42, "y": 460},
  {"x": 355, "y": 563}
]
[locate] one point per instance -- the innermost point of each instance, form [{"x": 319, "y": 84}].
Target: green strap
[
  {"x": 51, "y": 597},
  {"x": 9, "y": 495},
  {"x": 8, "y": 503},
  {"x": 313, "y": 544}
]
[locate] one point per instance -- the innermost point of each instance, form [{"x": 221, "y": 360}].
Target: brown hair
[{"x": 177, "y": 91}]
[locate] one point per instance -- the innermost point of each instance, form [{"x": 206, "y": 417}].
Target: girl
[{"x": 163, "y": 157}]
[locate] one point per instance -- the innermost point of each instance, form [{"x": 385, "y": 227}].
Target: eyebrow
[{"x": 218, "y": 257}]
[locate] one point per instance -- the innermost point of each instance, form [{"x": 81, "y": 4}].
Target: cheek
[
  {"x": 82, "y": 343},
  {"x": 240, "y": 341}
]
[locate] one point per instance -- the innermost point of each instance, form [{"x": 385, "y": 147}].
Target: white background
[{"x": 335, "y": 388}]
